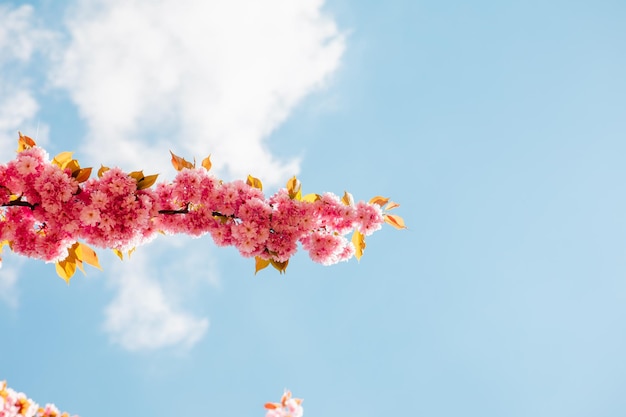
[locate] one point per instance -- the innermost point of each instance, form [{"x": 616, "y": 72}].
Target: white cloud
[
  {"x": 144, "y": 315},
  {"x": 194, "y": 76},
  {"x": 21, "y": 36},
  {"x": 17, "y": 106},
  {"x": 8, "y": 287},
  {"x": 9, "y": 276},
  {"x": 198, "y": 76}
]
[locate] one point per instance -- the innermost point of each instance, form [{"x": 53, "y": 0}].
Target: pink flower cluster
[
  {"x": 16, "y": 404},
  {"x": 287, "y": 407},
  {"x": 45, "y": 211}
]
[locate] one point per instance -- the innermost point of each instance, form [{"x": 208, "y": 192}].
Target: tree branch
[{"x": 19, "y": 203}]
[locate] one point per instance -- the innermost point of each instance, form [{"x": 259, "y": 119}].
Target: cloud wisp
[
  {"x": 21, "y": 37},
  {"x": 8, "y": 287},
  {"x": 143, "y": 315},
  {"x": 208, "y": 76}
]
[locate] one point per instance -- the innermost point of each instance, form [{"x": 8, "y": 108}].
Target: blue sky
[{"x": 498, "y": 126}]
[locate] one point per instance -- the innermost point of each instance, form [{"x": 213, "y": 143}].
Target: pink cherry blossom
[
  {"x": 17, "y": 404},
  {"x": 45, "y": 210},
  {"x": 287, "y": 407},
  {"x": 369, "y": 217}
]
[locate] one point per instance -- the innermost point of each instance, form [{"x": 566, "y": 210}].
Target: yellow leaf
[
  {"x": 311, "y": 198},
  {"x": 119, "y": 253},
  {"x": 180, "y": 163},
  {"x": 147, "y": 182},
  {"x": 130, "y": 252},
  {"x": 24, "y": 142},
  {"x": 82, "y": 174},
  {"x": 85, "y": 254},
  {"x": 381, "y": 201},
  {"x": 136, "y": 175},
  {"x": 347, "y": 199},
  {"x": 391, "y": 205},
  {"x": 254, "y": 182},
  {"x": 294, "y": 188},
  {"x": 395, "y": 221},
  {"x": 66, "y": 269},
  {"x": 72, "y": 165},
  {"x": 74, "y": 255},
  {"x": 206, "y": 163},
  {"x": 79, "y": 264},
  {"x": 2, "y": 243},
  {"x": 102, "y": 170},
  {"x": 260, "y": 264},
  {"x": 62, "y": 159},
  {"x": 177, "y": 161},
  {"x": 280, "y": 266},
  {"x": 223, "y": 219},
  {"x": 358, "y": 240}
]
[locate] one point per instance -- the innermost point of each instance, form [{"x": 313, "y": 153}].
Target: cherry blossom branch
[
  {"x": 19, "y": 203},
  {"x": 186, "y": 210},
  {"x": 120, "y": 211},
  {"x": 16, "y": 404}
]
